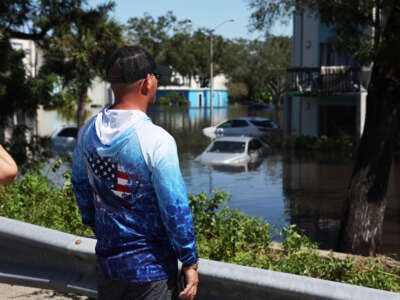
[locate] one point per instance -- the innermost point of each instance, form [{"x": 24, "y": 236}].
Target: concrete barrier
[{"x": 35, "y": 256}]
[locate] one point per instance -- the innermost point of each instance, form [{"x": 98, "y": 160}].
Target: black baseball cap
[{"x": 131, "y": 63}]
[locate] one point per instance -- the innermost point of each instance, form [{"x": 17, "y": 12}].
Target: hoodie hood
[{"x": 112, "y": 123}]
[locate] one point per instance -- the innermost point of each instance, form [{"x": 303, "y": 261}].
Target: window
[
  {"x": 228, "y": 147},
  {"x": 331, "y": 57},
  {"x": 233, "y": 124},
  {"x": 68, "y": 132},
  {"x": 267, "y": 124}
]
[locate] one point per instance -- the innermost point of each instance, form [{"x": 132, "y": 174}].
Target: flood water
[{"x": 281, "y": 189}]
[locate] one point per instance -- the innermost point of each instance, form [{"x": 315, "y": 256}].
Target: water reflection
[
  {"x": 315, "y": 194},
  {"x": 247, "y": 167}
]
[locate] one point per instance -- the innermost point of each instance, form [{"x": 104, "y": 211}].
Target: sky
[{"x": 208, "y": 14}]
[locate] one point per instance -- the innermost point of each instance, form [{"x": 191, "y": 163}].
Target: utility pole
[{"x": 211, "y": 83}]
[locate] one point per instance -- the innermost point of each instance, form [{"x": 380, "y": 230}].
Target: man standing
[{"x": 130, "y": 190}]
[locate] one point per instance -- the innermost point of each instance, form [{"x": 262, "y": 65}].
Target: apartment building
[{"x": 327, "y": 90}]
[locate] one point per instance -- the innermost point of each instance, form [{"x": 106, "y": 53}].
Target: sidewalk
[{"x": 8, "y": 291}]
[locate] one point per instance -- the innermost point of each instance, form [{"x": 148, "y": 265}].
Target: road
[{"x": 8, "y": 291}]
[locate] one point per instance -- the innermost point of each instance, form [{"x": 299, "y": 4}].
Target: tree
[
  {"x": 20, "y": 92},
  {"x": 170, "y": 42},
  {"x": 79, "y": 51},
  {"x": 76, "y": 42},
  {"x": 370, "y": 31},
  {"x": 260, "y": 65}
]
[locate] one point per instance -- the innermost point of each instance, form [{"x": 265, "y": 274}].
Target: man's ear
[{"x": 147, "y": 85}]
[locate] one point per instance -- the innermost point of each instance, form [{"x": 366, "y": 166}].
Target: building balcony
[{"x": 325, "y": 80}]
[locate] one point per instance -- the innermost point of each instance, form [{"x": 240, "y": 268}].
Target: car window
[
  {"x": 233, "y": 124},
  {"x": 226, "y": 124},
  {"x": 266, "y": 123},
  {"x": 254, "y": 145},
  {"x": 239, "y": 123},
  {"x": 227, "y": 147},
  {"x": 68, "y": 132}
]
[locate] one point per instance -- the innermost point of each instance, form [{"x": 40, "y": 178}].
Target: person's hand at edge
[
  {"x": 8, "y": 167},
  {"x": 192, "y": 280}
]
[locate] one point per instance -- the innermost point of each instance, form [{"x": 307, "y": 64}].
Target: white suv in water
[{"x": 252, "y": 126}]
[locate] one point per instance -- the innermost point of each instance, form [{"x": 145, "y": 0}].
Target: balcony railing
[{"x": 335, "y": 79}]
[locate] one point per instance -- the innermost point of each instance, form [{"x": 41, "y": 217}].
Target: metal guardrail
[{"x": 35, "y": 256}]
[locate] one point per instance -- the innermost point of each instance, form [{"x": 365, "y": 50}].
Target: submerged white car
[
  {"x": 234, "y": 150},
  {"x": 252, "y": 126}
]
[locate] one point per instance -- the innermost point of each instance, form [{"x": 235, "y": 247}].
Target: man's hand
[{"x": 192, "y": 281}]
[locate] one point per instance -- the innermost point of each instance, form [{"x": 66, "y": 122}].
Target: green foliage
[
  {"x": 335, "y": 147},
  {"x": 26, "y": 148},
  {"x": 76, "y": 41},
  {"x": 173, "y": 99},
  {"x": 263, "y": 97},
  {"x": 237, "y": 91},
  {"x": 35, "y": 199},
  {"x": 324, "y": 144},
  {"x": 224, "y": 233},
  {"x": 260, "y": 65}
]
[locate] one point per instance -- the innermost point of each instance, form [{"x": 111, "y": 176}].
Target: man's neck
[{"x": 129, "y": 103}]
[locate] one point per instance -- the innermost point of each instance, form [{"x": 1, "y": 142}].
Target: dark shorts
[{"x": 120, "y": 290}]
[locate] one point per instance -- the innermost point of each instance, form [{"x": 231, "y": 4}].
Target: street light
[{"x": 211, "y": 31}]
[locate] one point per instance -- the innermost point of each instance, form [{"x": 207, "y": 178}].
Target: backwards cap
[{"x": 131, "y": 63}]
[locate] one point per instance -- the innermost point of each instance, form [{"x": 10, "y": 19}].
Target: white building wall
[
  {"x": 100, "y": 94},
  {"x": 297, "y": 40},
  {"x": 48, "y": 121},
  {"x": 219, "y": 82},
  {"x": 304, "y": 116},
  {"x": 305, "y": 39},
  {"x": 310, "y": 40},
  {"x": 296, "y": 116},
  {"x": 309, "y": 111},
  {"x": 32, "y": 58}
]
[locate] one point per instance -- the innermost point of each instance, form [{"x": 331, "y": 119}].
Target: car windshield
[{"x": 227, "y": 147}]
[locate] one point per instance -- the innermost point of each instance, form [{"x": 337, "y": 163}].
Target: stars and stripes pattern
[{"x": 110, "y": 173}]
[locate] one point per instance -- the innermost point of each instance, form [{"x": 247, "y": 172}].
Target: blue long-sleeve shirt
[{"x": 130, "y": 190}]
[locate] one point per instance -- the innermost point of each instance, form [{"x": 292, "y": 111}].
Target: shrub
[
  {"x": 226, "y": 234},
  {"x": 173, "y": 99},
  {"x": 35, "y": 199}
]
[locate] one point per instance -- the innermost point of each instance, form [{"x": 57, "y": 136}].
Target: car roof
[
  {"x": 246, "y": 119},
  {"x": 62, "y": 127},
  {"x": 250, "y": 118},
  {"x": 242, "y": 138}
]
